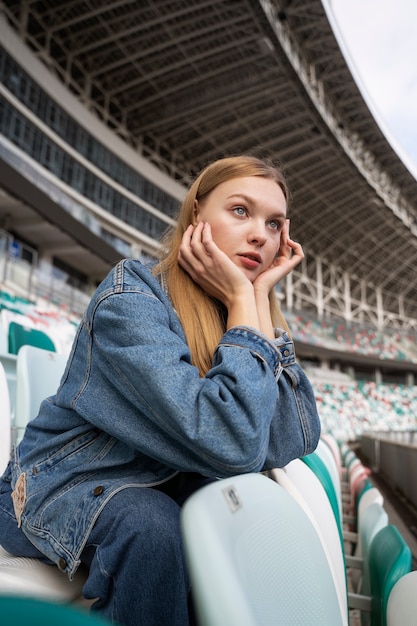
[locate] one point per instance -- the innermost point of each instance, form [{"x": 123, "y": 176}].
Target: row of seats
[
  {"x": 264, "y": 551},
  {"x": 351, "y": 408},
  {"x": 389, "y": 344},
  {"x": 285, "y": 547},
  {"x": 378, "y": 559}
]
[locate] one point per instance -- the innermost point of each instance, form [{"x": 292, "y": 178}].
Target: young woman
[{"x": 177, "y": 376}]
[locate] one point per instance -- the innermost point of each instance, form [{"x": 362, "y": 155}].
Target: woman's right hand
[{"x": 211, "y": 268}]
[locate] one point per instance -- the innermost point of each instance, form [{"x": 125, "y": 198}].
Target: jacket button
[
  {"x": 62, "y": 564},
  {"x": 286, "y": 352},
  {"x": 98, "y": 490}
]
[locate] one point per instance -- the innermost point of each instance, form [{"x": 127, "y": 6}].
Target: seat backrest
[
  {"x": 314, "y": 462},
  {"x": 38, "y": 374},
  {"x": 326, "y": 455},
  {"x": 368, "y": 497},
  {"x": 9, "y": 364},
  {"x": 20, "y": 335},
  {"x": 5, "y": 420},
  {"x": 358, "y": 489},
  {"x": 21, "y": 611},
  {"x": 301, "y": 482},
  {"x": 389, "y": 559},
  {"x": 373, "y": 519},
  {"x": 402, "y": 601},
  {"x": 31, "y": 577},
  {"x": 255, "y": 558},
  {"x": 4, "y": 339},
  {"x": 335, "y": 449},
  {"x": 347, "y": 456}
]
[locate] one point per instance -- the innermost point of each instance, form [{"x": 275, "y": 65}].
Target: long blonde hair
[{"x": 204, "y": 318}]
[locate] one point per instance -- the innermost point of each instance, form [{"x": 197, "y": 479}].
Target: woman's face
[{"x": 246, "y": 216}]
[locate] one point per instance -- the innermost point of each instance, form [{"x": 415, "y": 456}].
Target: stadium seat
[
  {"x": 331, "y": 442},
  {"x": 389, "y": 559},
  {"x": 326, "y": 455},
  {"x": 255, "y": 558},
  {"x": 20, "y": 335},
  {"x": 314, "y": 462},
  {"x": 18, "y": 611},
  {"x": 359, "y": 483},
  {"x": 8, "y": 362},
  {"x": 368, "y": 497},
  {"x": 4, "y": 339},
  {"x": 373, "y": 519},
  {"x": 38, "y": 374},
  {"x": 402, "y": 601},
  {"x": 5, "y": 420},
  {"x": 304, "y": 486},
  {"x": 28, "y": 577}
]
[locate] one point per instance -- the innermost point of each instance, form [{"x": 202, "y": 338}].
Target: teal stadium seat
[
  {"x": 20, "y": 335},
  {"x": 389, "y": 559},
  {"x": 20, "y": 611},
  {"x": 317, "y": 465}
]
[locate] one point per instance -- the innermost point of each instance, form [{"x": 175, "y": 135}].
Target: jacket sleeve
[{"x": 295, "y": 427}]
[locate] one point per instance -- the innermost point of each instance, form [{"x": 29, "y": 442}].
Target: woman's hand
[
  {"x": 211, "y": 268},
  {"x": 290, "y": 254}
]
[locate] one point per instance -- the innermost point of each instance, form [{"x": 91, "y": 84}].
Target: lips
[
  {"x": 250, "y": 260},
  {"x": 252, "y": 255}
]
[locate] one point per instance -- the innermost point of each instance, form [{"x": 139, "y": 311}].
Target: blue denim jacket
[{"x": 131, "y": 410}]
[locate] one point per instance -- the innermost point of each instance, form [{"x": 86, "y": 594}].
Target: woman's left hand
[{"x": 290, "y": 254}]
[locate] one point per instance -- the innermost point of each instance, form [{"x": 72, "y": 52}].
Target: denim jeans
[{"x": 134, "y": 554}]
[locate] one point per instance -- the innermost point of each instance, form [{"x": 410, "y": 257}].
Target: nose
[{"x": 257, "y": 232}]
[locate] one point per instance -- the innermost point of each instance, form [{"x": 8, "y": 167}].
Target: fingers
[
  {"x": 196, "y": 251},
  {"x": 193, "y": 242},
  {"x": 289, "y": 248},
  {"x": 297, "y": 250}
]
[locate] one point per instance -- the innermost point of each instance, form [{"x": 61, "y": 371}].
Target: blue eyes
[{"x": 273, "y": 224}]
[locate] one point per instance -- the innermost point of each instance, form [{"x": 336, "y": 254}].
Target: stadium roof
[{"x": 187, "y": 81}]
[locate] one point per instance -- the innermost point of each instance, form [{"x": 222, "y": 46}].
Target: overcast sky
[{"x": 379, "y": 37}]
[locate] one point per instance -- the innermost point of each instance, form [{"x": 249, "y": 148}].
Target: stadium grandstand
[{"x": 109, "y": 109}]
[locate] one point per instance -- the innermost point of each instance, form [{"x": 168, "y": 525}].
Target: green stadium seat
[
  {"x": 389, "y": 559},
  {"x": 20, "y": 335},
  {"x": 22, "y": 611}
]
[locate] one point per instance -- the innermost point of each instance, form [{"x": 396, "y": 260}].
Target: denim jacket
[{"x": 131, "y": 410}]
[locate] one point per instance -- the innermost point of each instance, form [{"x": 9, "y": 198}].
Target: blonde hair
[{"x": 204, "y": 318}]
